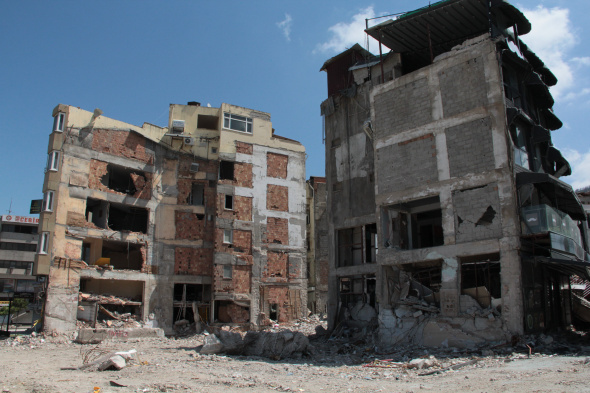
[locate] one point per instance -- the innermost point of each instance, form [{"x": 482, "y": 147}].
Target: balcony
[{"x": 563, "y": 232}]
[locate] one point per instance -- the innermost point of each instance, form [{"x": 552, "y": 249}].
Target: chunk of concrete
[
  {"x": 212, "y": 345},
  {"x": 115, "y": 362}
]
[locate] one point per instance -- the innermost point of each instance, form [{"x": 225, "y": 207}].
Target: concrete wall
[{"x": 448, "y": 121}]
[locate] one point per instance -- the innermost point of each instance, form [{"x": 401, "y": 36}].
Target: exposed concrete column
[
  {"x": 449, "y": 292},
  {"x": 512, "y": 302}
]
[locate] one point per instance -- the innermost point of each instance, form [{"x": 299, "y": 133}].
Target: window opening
[
  {"x": 30, "y": 229},
  {"x": 43, "y": 242},
  {"x": 207, "y": 122},
  {"x": 227, "y": 271},
  {"x": 226, "y": 170},
  {"x": 58, "y": 122},
  {"x": 415, "y": 282},
  {"x": 194, "y": 167},
  {"x": 121, "y": 179},
  {"x": 357, "y": 245},
  {"x": 127, "y": 218},
  {"x": 123, "y": 255},
  {"x": 480, "y": 279},
  {"x": 519, "y": 138},
  {"x": 229, "y": 202},
  {"x": 96, "y": 212},
  {"x": 227, "y": 236},
  {"x": 273, "y": 311},
  {"x": 11, "y": 246},
  {"x": 237, "y": 123},
  {"x": 48, "y": 201},
  {"x": 415, "y": 224},
  {"x": 197, "y": 195},
  {"x": 53, "y": 161}
]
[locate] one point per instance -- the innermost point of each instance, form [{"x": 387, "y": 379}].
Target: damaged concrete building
[
  {"x": 202, "y": 221},
  {"x": 317, "y": 245},
  {"x": 448, "y": 223}
]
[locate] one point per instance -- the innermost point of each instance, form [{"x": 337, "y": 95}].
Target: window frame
[
  {"x": 53, "y": 161},
  {"x": 228, "y": 236},
  {"x": 230, "y": 198},
  {"x": 228, "y": 272},
  {"x": 230, "y": 121},
  {"x": 43, "y": 243},
  {"x": 59, "y": 122},
  {"x": 48, "y": 201}
]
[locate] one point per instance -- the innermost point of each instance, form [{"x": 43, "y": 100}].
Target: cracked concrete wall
[
  {"x": 460, "y": 104},
  {"x": 477, "y": 214}
]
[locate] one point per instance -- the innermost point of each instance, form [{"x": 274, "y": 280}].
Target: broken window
[
  {"x": 357, "y": 245},
  {"x": 480, "y": 279},
  {"x": 229, "y": 202},
  {"x": 415, "y": 224},
  {"x": 208, "y": 122},
  {"x": 121, "y": 179},
  {"x": 355, "y": 289},
  {"x": 511, "y": 86},
  {"x": 415, "y": 283},
  {"x": 197, "y": 195},
  {"x": 117, "y": 217},
  {"x": 111, "y": 302},
  {"x": 191, "y": 300},
  {"x": 122, "y": 255},
  {"x": 519, "y": 139},
  {"x": 226, "y": 170},
  {"x": 96, "y": 212},
  {"x": 127, "y": 218}
]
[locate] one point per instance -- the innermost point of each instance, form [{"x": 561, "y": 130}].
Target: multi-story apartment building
[
  {"x": 203, "y": 220},
  {"x": 447, "y": 216},
  {"x": 18, "y": 244}
]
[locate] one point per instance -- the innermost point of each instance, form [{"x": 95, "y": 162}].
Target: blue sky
[{"x": 133, "y": 58}]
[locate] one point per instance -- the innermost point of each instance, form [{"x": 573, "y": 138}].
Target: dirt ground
[{"x": 48, "y": 364}]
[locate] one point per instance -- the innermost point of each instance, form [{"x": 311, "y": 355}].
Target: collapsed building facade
[
  {"x": 202, "y": 221},
  {"x": 448, "y": 223}
]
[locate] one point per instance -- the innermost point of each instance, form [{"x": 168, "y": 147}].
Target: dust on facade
[
  {"x": 448, "y": 223},
  {"x": 201, "y": 221}
]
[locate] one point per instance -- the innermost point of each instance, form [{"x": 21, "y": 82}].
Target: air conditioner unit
[
  {"x": 189, "y": 141},
  {"x": 177, "y": 126},
  {"x": 195, "y": 167}
]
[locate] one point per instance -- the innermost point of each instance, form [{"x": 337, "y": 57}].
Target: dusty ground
[{"x": 46, "y": 364}]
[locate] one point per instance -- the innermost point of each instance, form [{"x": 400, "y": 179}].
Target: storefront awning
[{"x": 567, "y": 266}]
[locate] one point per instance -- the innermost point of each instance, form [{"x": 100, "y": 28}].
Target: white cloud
[
  {"x": 345, "y": 35},
  {"x": 553, "y": 44},
  {"x": 581, "y": 61},
  {"x": 580, "y": 163},
  {"x": 285, "y": 25}
]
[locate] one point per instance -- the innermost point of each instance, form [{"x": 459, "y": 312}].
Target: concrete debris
[
  {"x": 212, "y": 345},
  {"x": 115, "y": 362},
  {"x": 272, "y": 345}
]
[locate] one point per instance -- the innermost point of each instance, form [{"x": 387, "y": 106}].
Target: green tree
[{"x": 18, "y": 304}]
